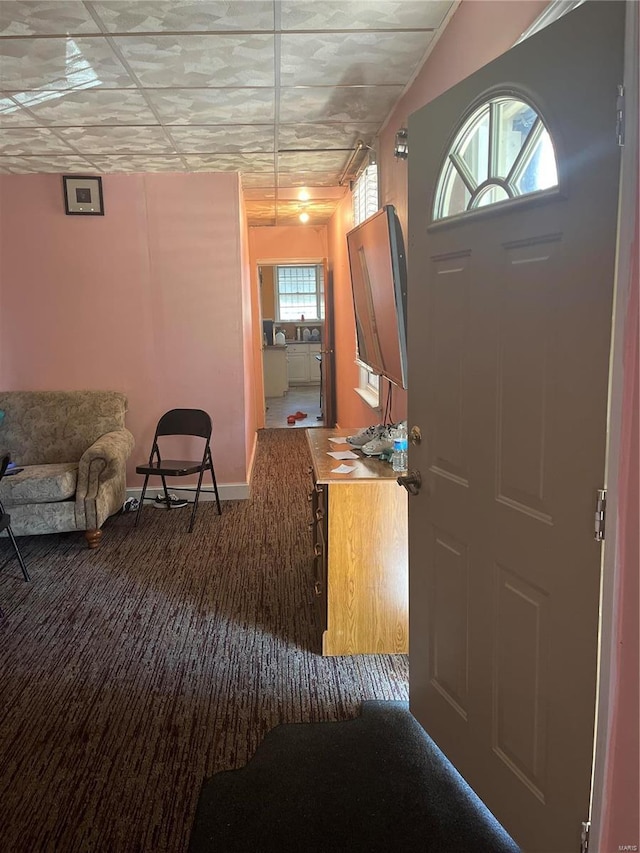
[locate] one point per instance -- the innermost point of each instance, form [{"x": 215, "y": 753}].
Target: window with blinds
[{"x": 365, "y": 194}]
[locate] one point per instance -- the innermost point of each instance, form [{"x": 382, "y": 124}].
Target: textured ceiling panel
[
  {"x": 281, "y": 91},
  {"x": 148, "y": 16}
]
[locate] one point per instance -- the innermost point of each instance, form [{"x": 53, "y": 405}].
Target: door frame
[
  {"x": 328, "y": 345},
  {"x": 606, "y": 700}
]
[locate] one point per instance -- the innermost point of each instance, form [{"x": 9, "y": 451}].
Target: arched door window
[{"x": 502, "y": 151}]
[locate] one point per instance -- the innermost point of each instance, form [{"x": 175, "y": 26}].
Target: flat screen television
[{"x": 378, "y": 268}]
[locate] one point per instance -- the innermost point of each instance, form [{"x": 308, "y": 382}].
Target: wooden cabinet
[
  {"x": 303, "y": 368},
  {"x": 360, "y": 552}
]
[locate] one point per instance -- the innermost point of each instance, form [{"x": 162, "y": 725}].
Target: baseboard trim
[{"x": 227, "y": 492}]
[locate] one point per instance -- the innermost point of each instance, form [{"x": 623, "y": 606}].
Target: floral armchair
[{"x": 72, "y": 447}]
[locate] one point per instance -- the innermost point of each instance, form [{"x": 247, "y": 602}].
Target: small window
[
  {"x": 300, "y": 292},
  {"x": 503, "y": 151}
]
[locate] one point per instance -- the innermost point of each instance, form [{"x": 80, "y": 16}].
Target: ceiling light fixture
[
  {"x": 401, "y": 147},
  {"x": 304, "y": 217},
  {"x": 303, "y": 195}
]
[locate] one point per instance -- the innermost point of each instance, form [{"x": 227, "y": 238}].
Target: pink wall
[{"x": 147, "y": 299}]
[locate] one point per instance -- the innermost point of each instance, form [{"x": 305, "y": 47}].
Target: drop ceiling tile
[
  {"x": 351, "y": 58},
  {"x": 152, "y": 16},
  {"x": 12, "y": 115},
  {"x": 258, "y": 194},
  {"x": 220, "y": 139},
  {"x": 48, "y": 163},
  {"x": 309, "y": 179},
  {"x": 91, "y": 107},
  {"x": 213, "y": 106},
  {"x": 315, "y": 209},
  {"x": 47, "y": 17},
  {"x": 313, "y": 161},
  {"x": 259, "y": 179},
  {"x": 60, "y": 63},
  {"x": 319, "y": 135},
  {"x": 117, "y": 140},
  {"x": 362, "y": 14},
  {"x": 33, "y": 140},
  {"x": 140, "y": 163},
  {"x": 260, "y": 209},
  {"x": 229, "y": 162},
  {"x": 348, "y": 104},
  {"x": 200, "y": 60}
]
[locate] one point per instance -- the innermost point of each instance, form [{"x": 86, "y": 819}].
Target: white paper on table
[
  {"x": 343, "y": 469},
  {"x": 343, "y": 454},
  {"x": 338, "y": 441}
]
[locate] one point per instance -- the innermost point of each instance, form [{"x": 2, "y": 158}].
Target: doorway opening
[{"x": 293, "y": 305}]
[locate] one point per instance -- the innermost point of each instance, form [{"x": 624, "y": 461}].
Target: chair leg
[
  {"x": 215, "y": 489},
  {"x": 195, "y": 503},
  {"x": 144, "y": 490},
  {"x": 25, "y": 573},
  {"x": 166, "y": 492},
  {"x": 213, "y": 480}
]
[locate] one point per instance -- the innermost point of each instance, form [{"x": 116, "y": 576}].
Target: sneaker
[
  {"x": 130, "y": 505},
  {"x": 380, "y": 444},
  {"x": 174, "y": 500},
  {"x": 366, "y": 435}
]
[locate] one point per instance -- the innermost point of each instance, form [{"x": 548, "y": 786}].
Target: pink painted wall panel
[
  {"x": 146, "y": 299},
  {"x": 287, "y": 242}
]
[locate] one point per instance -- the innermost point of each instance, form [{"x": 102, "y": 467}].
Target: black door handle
[{"x": 411, "y": 481}]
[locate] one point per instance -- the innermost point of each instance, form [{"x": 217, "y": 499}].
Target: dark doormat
[{"x": 376, "y": 783}]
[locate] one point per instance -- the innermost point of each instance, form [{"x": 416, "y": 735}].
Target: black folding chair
[
  {"x": 5, "y": 522},
  {"x": 193, "y": 422}
]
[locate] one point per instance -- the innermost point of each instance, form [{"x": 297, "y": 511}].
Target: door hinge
[
  {"x": 584, "y": 836},
  {"x": 601, "y": 513},
  {"x": 620, "y": 116}
]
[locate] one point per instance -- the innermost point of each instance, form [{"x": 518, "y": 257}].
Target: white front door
[{"x": 509, "y": 334}]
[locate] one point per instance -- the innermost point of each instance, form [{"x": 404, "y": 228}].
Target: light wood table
[{"x": 359, "y": 523}]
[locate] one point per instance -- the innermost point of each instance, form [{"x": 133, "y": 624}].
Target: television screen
[{"x": 379, "y": 284}]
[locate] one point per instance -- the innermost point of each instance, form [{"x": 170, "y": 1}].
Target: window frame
[{"x": 319, "y": 291}]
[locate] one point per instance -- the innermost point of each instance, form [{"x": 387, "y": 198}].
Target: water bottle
[{"x": 400, "y": 447}]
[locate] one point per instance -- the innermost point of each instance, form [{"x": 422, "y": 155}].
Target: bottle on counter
[
  {"x": 399, "y": 458},
  {"x": 280, "y": 338}
]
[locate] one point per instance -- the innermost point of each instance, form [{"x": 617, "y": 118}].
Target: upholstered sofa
[{"x": 73, "y": 447}]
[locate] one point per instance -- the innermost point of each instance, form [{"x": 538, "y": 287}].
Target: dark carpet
[
  {"x": 377, "y": 783},
  {"x": 131, "y": 673}
]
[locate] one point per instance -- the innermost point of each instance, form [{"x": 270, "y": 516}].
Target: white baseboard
[{"x": 227, "y": 492}]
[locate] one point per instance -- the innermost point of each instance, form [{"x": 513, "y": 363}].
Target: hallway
[{"x": 299, "y": 398}]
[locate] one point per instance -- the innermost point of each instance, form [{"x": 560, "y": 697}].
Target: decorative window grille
[{"x": 503, "y": 151}]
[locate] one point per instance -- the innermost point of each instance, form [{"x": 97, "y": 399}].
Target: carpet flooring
[
  {"x": 370, "y": 785},
  {"x": 131, "y": 673}
]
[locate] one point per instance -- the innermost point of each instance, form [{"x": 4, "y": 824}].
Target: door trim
[{"x": 628, "y": 224}]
